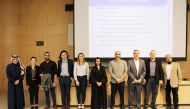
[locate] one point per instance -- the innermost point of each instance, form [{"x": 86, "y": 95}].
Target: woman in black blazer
[{"x": 33, "y": 82}]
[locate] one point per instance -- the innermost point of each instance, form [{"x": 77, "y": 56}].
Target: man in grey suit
[{"x": 136, "y": 74}]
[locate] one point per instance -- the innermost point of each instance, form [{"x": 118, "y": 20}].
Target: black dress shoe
[
  {"x": 111, "y": 107},
  {"x": 168, "y": 107},
  {"x": 154, "y": 107},
  {"x": 122, "y": 107},
  {"x": 145, "y": 107}
]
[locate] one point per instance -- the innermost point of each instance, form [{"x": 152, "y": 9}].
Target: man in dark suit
[
  {"x": 153, "y": 77},
  {"x": 65, "y": 75},
  {"x": 136, "y": 74}
]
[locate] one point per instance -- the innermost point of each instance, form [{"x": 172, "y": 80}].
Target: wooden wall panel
[{"x": 23, "y": 22}]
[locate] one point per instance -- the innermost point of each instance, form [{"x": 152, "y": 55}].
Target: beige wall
[{"x": 23, "y": 22}]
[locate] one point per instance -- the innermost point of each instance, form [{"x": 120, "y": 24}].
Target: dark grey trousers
[
  {"x": 151, "y": 86},
  {"x": 134, "y": 95}
]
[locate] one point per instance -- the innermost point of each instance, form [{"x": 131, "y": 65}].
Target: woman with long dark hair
[{"x": 98, "y": 79}]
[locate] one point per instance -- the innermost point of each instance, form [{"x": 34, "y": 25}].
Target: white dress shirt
[
  {"x": 137, "y": 65},
  {"x": 168, "y": 70},
  {"x": 64, "y": 68}
]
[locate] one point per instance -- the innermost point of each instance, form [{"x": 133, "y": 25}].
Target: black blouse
[{"x": 98, "y": 75}]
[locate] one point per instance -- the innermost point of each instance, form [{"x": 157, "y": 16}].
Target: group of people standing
[{"x": 149, "y": 74}]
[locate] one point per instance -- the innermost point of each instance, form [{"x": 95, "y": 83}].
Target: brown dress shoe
[
  {"x": 68, "y": 107},
  {"x": 46, "y": 107},
  {"x": 63, "y": 107},
  {"x": 55, "y": 107}
]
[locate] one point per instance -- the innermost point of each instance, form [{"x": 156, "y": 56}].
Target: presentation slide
[{"x": 102, "y": 27}]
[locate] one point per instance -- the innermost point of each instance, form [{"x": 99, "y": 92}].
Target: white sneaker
[
  {"x": 79, "y": 106},
  {"x": 82, "y": 106}
]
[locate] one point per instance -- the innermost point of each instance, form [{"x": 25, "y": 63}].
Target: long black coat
[
  {"x": 99, "y": 93},
  {"x": 15, "y": 92}
]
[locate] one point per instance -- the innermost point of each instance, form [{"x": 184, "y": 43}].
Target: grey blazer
[{"x": 132, "y": 71}]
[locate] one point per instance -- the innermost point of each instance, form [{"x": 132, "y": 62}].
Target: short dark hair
[
  {"x": 47, "y": 52},
  {"x": 135, "y": 50},
  {"x": 63, "y": 51},
  {"x": 33, "y": 57}
]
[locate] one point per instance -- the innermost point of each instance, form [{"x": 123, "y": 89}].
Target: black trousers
[
  {"x": 120, "y": 87},
  {"x": 65, "y": 86},
  {"x": 151, "y": 85},
  {"x": 175, "y": 95},
  {"x": 81, "y": 89},
  {"x": 134, "y": 93},
  {"x": 33, "y": 90},
  {"x": 52, "y": 91}
]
